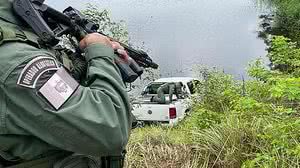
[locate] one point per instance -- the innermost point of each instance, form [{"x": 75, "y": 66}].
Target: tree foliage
[
  {"x": 116, "y": 30},
  {"x": 284, "y": 55},
  {"x": 284, "y": 20}
]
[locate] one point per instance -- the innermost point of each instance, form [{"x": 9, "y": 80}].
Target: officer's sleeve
[
  {"x": 94, "y": 120},
  {"x": 171, "y": 92}
]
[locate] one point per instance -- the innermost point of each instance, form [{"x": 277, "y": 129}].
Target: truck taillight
[{"x": 172, "y": 112}]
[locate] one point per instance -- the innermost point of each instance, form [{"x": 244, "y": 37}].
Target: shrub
[
  {"x": 202, "y": 118},
  {"x": 216, "y": 91}
]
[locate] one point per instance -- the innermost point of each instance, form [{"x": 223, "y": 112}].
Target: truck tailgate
[{"x": 152, "y": 112}]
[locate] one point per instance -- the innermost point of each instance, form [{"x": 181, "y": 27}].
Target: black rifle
[{"x": 50, "y": 24}]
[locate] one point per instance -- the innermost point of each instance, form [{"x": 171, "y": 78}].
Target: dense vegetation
[{"x": 234, "y": 123}]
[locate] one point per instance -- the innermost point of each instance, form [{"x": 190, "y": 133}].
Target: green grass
[
  {"x": 161, "y": 147},
  {"x": 186, "y": 147},
  {"x": 234, "y": 143}
]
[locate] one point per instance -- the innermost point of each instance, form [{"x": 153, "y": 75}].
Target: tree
[
  {"x": 116, "y": 30},
  {"x": 283, "y": 20}
]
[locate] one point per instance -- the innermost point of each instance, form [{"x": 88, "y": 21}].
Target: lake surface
[{"x": 182, "y": 33}]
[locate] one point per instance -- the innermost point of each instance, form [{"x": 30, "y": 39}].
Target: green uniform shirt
[{"x": 95, "y": 120}]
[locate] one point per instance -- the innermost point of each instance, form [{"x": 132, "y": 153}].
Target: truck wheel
[{"x": 140, "y": 124}]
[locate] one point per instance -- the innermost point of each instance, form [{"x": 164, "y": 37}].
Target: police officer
[
  {"x": 179, "y": 90},
  {"x": 46, "y": 118},
  {"x": 168, "y": 88}
]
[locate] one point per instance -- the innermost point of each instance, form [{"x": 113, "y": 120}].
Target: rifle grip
[
  {"x": 127, "y": 73},
  {"x": 135, "y": 67}
]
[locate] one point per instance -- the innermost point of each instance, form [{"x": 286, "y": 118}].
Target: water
[{"x": 182, "y": 33}]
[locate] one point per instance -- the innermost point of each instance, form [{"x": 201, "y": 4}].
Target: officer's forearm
[{"x": 104, "y": 76}]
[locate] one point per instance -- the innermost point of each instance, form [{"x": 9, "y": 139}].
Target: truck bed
[{"x": 145, "y": 110}]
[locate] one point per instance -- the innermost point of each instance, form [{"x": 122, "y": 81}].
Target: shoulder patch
[
  {"x": 34, "y": 69},
  {"x": 59, "y": 88}
]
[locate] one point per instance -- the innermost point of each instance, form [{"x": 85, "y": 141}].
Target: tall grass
[
  {"x": 234, "y": 143},
  {"x": 161, "y": 147},
  {"x": 224, "y": 145}
]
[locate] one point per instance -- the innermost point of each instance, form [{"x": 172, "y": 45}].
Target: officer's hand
[
  {"x": 94, "y": 38},
  {"x": 120, "y": 50}
]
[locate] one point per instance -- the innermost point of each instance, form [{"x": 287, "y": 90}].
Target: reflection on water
[{"x": 181, "y": 33}]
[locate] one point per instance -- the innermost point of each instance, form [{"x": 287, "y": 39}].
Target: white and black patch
[
  {"x": 59, "y": 88},
  {"x": 34, "y": 69}
]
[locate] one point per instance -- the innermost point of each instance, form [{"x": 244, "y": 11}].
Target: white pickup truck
[{"x": 146, "y": 111}]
